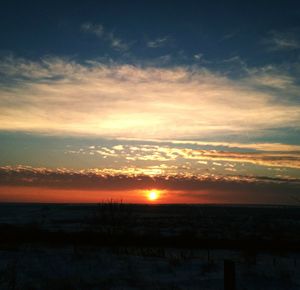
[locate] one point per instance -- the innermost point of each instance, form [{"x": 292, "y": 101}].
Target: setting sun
[{"x": 153, "y": 195}]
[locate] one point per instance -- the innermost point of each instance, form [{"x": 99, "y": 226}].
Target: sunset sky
[{"x": 196, "y": 100}]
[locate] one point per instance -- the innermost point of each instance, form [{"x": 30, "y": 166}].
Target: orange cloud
[{"x": 44, "y": 185}]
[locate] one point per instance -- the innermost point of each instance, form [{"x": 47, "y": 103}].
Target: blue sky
[
  {"x": 259, "y": 32},
  {"x": 205, "y": 90}
]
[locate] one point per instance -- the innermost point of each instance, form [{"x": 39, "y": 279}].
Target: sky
[{"x": 196, "y": 100}]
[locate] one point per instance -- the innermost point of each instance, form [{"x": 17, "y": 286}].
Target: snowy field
[
  {"x": 70, "y": 264},
  {"x": 31, "y": 267},
  {"x": 209, "y": 221}
]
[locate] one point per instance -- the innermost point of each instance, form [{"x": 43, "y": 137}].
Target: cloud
[
  {"x": 230, "y": 35},
  {"x": 116, "y": 42},
  {"x": 272, "y": 147},
  {"x": 108, "y": 36},
  {"x": 254, "y": 146},
  {"x": 163, "y": 153},
  {"x": 62, "y": 96},
  {"x": 270, "y": 77},
  {"x": 279, "y": 40},
  {"x": 220, "y": 189},
  {"x": 158, "y": 42},
  {"x": 103, "y": 179},
  {"x": 96, "y": 29},
  {"x": 192, "y": 158},
  {"x": 198, "y": 56}
]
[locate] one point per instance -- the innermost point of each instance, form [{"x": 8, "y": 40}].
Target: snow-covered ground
[
  {"x": 226, "y": 222},
  {"x": 35, "y": 267}
]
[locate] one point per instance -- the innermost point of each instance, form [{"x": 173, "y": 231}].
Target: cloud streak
[
  {"x": 158, "y": 42},
  {"x": 108, "y": 36},
  {"x": 282, "y": 40},
  {"x": 96, "y": 29},
  {"x": 163, "y": 153}
]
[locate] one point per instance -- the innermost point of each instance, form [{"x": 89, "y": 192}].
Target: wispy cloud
[
  {"x": 128, "y": 101},
  {"x": 198, "y": 56},
  {"x": 96, "y": 29},
  {"x": 279, "y": 40},
  {"x": 158, "y": 42},
  {"x": 163, "y": 153},
  {"x": 116, "y": 42},
  {"x": 230, "y": 35},
  {"x": 271, "y": 147},
  {"x": 108, "y": 36}
]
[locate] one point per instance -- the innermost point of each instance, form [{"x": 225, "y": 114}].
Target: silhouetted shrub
[{"x": 114, "y": 216}]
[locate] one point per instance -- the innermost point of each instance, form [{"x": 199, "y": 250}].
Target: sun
[{"x": 153, "y": 195}]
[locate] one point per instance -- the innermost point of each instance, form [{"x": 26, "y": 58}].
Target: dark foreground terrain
[{"x": 119, "y": 246}]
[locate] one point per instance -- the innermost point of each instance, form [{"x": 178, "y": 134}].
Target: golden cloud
[{"x": 57, "y": 96}]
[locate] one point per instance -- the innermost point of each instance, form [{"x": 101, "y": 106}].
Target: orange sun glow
[{"x": 153, "y": 195}]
